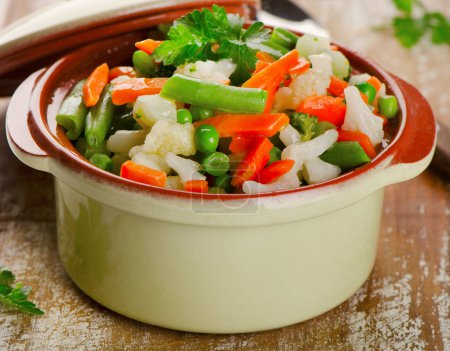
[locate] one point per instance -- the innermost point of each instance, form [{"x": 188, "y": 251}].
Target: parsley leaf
[
  {"x": 405, "y": 5},
  {"x": 213, "y": 35},
  {"x": 408, "y": 30},
  {"x": 16, "y": 296},
  {"x": 440, "y": 27}
]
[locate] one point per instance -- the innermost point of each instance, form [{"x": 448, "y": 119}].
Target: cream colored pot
[{"x": 211, "y": 263}]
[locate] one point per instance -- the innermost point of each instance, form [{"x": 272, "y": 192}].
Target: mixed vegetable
[{"x": 219, "y": 108}]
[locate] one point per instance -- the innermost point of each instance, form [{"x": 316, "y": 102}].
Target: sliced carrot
[
  {"x": 271, "y": 89},
  {"x": 375, "y": 83},
  {"x": 142, "y": 174},
  {"x": 264, "y": 56},
  {"x": 240, "y": 144},
  {"x": 129, "y": 90},
  {"x": 196, "y": 186},
  {"x": 253, "y": 162},
  {"x": 230, "y": 125},
  {"x": 274, "y": 171},
  {"x": 121, "y": 71},
  {"x": 275, "y": 69},
  {"x": 361, "y": 138},
  {"x": 260, "y": 65},
  {"x": 300, "y": 67},
  {"x": 325, "y": 108},
  {"x": 148, "y": 45},
  {"x": 337, "y": 87},
  {"x": 95, "y": 84}
]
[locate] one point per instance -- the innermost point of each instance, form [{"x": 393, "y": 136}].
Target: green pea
[
  {"x": 368, "y": 90},
  {"x": 216, "y": 164},
  {"x": 200, "y": 113},
  {"x": 184, "y": 116},
  {"x": 275, "y": 155},
  {"x": 102, "y": 161},
  {"x": 224, "y": 182},
  {"x": 206, "y": 138},
  {"x": 388, "y": 106}
]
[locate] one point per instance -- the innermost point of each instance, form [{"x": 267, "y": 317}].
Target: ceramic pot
[{"x": 211, "y": 263}]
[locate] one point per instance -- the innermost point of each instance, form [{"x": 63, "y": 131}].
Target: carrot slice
[
  {"x": 95, "y": 84},
  {"x": 129, "y": 90},
  {"x": 253, "y": 162},
  {"x": 264, "y": 56},
  {"x": 275, "y": 69},
  {"x": 361, "y": 138},
  {"x": 275, "y": 170},
  {"x": 325, "y": 108},
  {"x": 337, "y": 87},
  {"x": 121, "y": 71},
  {"x": 260, "y": 65},
  {"x": 196, "y": 186},
  {"x": 142, "y": 174},
  {"x": 375, "y": 82},
  {"x": 148, "y": 45},
  {"x": 300, "y": 67},
  {"x": 230, "y": 125}
]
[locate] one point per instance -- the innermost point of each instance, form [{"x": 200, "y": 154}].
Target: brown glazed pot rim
[{"x": 413, "y": 141}]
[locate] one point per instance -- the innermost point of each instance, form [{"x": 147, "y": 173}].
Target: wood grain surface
[{"x": 404, "y": 305}]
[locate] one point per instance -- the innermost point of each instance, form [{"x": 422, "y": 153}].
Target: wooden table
[{"x": 404, "y": 305}]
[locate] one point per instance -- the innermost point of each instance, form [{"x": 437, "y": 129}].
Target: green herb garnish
[
  {"x": 16, "y": 296},
  {"x": 213, "y": 35},
  {"x": 415, "y": 21}
]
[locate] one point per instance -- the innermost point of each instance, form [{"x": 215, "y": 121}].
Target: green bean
[
  {"x": 99, "y": 119},
  {"x": 284, "y": 38},
  {"x": 102, "y": 161},
  {"x": 272, "y": 48},
  {"x": 122, "y": 121},
  {"x": 72, "y": 114},
  {"x": 214, "y": 95},
  {"x": 346, "y": 155},
  {"x": 100, "y": 149},
  {"x": 144, "y": 64},
  {"x": 322, "y": 127},
  {"x": 388, "y": 106},
  {"x": 118, "y": 160}
]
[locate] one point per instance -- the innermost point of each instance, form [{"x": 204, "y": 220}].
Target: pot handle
[
  {"x": 21, "y": 129},
  {"x": 417, "y": 141}
]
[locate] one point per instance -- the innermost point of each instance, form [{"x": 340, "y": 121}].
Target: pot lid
[{"x": 41, "y": 37}]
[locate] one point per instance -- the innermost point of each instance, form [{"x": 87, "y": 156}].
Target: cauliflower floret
[
  {"x": 123, "y": 140},
  {"x": 359, "y": 78},
  {"x": 167, "y": 136},
  {"x": 318, "y": 171},
  {"x": 322, "y": 62},
  {"x": 151, "y": 161},
  {"x": 150, "y": 108},
  {"x": 289, "y": 135},
  {"x": 359, "y": 117},
  {"x": 310, "y": 150},
  {"x": 218, "y": 71},
  {"x": 313, "y": 82},
  {"x": 186, "y": 169}
]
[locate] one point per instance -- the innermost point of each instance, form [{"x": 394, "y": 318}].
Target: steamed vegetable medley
[{"x": 218, "y": 108}]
